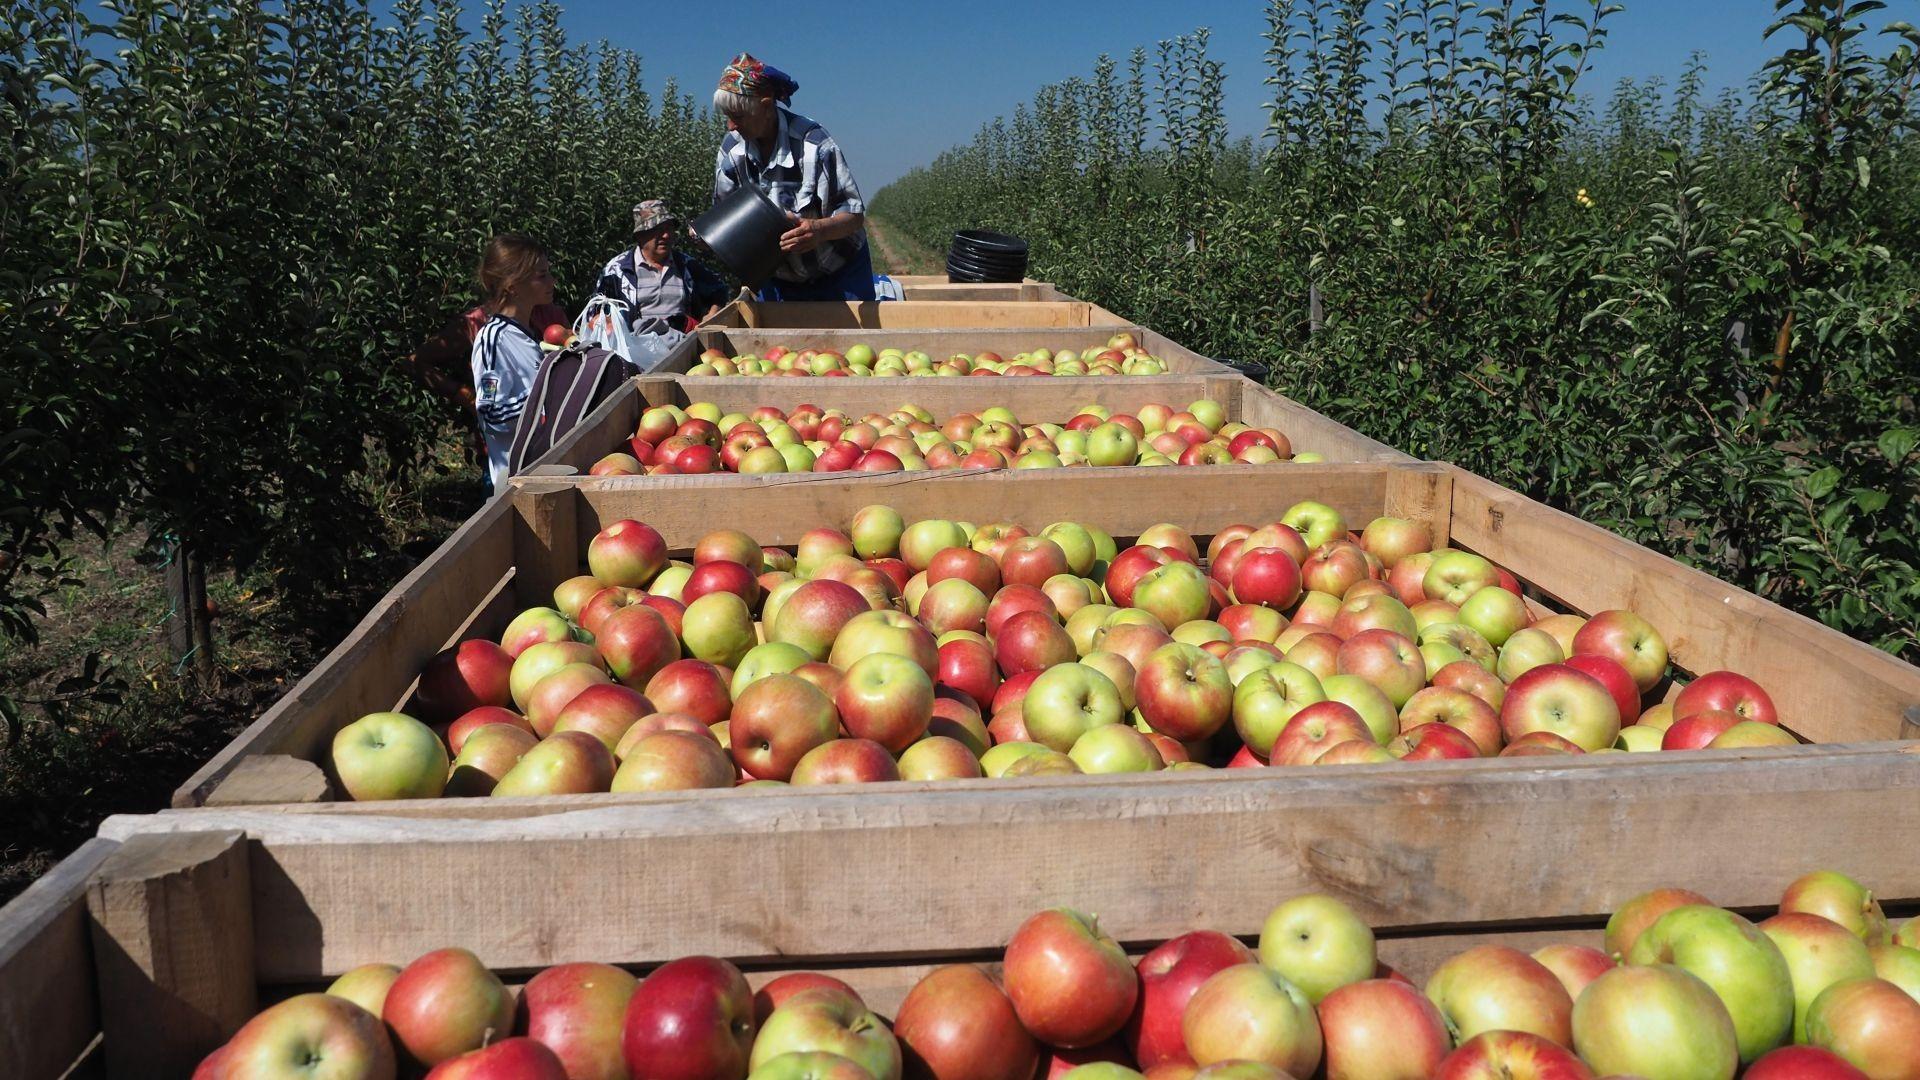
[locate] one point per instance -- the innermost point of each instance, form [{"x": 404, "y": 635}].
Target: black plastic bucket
[
  {"x": 744, "y": 230},
  {"x": 981, "y": 256}
]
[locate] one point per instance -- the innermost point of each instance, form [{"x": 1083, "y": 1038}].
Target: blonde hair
[
  {"x": 735, "y": 104},
  {"x": 509, "y": 260}
]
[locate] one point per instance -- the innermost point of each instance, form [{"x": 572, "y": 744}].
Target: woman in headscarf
[{"x": 799, "y": 166}]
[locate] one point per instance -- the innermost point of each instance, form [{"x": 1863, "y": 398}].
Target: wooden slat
[
  {"x": 49, "y": 1013},
  {"x": 782, "y": 508},
  {"x": 1310, "y": 431},
  {"x": 268, "y": 779},
  {"x": 914, "y": 315},
  {"x": 1419, "y": 495},
  {"x": 822, "y": 876},
  {"x": 173, "y": 949},
  {"x": 941, "y": 343},
  {"x": 547, "y": 547},
  {"x": 1828, "y": 687},
  {"x": 373, "y": 667}
]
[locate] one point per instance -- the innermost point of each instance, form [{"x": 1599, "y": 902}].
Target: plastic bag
[
  {"x": 603, "y": 322},
  {"x": 652, "y": 348}
]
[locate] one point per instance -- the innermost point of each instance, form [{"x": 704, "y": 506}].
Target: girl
[{"x": 514, "y": 280}]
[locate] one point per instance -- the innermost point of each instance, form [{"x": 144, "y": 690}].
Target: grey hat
[{"x": 652, "y": 214}]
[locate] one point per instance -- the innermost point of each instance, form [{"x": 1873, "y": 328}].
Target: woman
[
  {"x": 515, "y": 279},
  {"x": 798, "y": 165},
  {"x": 663, "y": 289}
]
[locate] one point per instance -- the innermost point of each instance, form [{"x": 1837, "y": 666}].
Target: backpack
[{"x": 570, "y": 384}]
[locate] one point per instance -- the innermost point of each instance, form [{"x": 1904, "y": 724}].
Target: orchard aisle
[{"x": 898, "y": 253}]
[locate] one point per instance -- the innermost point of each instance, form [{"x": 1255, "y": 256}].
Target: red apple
[
  {"x": 1268, "y": 577},
  {"x": 1070, "y": 984},
  {"x": 330, "y": 1035},
  {"x": 636, "y": 642},
  {"x": 445, "y": 1004},
  {"x": 1696, "y": 731},
  {"x": 578, "y": 1011},
  {"x": 1574, "y": 965},
  {"x": 814, "y": 614},
  {"x": 1629, "y": 640},
  {"x": 468, "y": 676},
  {"x": 778, "y": 990},
  {"x": 460, "y": 729},
  {"x": 1184, "y": 693},
  {"x": 1727, "y": 691},
  {"x": 1032, "y": 641},
  {"x": 1511, "y": 1055},
  {"x": 1802, "y": 1063},
  {"x": 1564, "y": 701},
  {"x": 692, "y": 687},
  {"x": 692, "y": 1019},
  {"x": 775, "y": 723},
  {"x": 1379, "y": 1029},
  {"x": 1314, "y": 730},
  {"x": 1497, "y": 988},
  {"x": 956, "y": 1024},
  {"x": 1169, "y": 975},
  {"x": 627, "y": 553},
  {"x": 845, "y": 761}
]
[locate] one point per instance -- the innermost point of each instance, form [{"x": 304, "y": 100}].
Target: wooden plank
[
  {"x": 1122, "y": 501},
  {"x": 965, "y": 290},
  {"x": 954, "y": 869},
  {"x": 172, "y": 919},
  {"x": 1310, "y": 431},
  {"x": 547, "y": 548},
  {"x": 49, "y": 1015},
  {"x": 370, "y": 670},
  {"x": 941, "y": 343},
  {"x": 1828, "y": 687},
  {"x": 271, "y": 779},
  {"x": 1419, "y": 495},
  {"x": 915, "y": 315}
]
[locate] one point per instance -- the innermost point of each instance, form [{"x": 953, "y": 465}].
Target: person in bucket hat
[
  {"x": 664, "y": 289},
  {"x": 798, "y": 165}
]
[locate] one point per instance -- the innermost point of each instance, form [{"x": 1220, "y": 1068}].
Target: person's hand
[{"x": 804, "y": 236}]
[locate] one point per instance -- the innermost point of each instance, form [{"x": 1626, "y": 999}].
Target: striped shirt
[
  {"x": 806, "y": 175},
  {"x": 684, "y": 287},
  {"x": 505, "y": 359}
]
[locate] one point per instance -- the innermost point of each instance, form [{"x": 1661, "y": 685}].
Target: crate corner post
[{"x": 172, "y": 927}]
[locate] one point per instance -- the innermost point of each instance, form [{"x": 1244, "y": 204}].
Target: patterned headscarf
[{"x": 753, "y": 78}]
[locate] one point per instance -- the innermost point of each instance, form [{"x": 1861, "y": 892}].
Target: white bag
[
  {"x": 603, "y": 322},
  {"x": 652, "y": 348}
]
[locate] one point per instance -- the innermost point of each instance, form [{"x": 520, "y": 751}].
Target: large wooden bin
[
  {"x": 1829, "y": 688},
  {"x": 912, "y": 315},
  {"x": 1034, "y": 400}
]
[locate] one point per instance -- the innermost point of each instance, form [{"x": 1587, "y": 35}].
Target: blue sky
[{"x": 897, "y": 83}]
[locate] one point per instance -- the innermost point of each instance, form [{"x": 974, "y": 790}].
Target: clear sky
[{"x": 897, "y": 83}]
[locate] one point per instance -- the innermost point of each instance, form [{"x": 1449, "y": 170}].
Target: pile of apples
[
  {"x": 939, "y": 650},
  {"x": 1683, "y": 990},
  {"x": 701, "y": 439},
  {"x": 1122, "y": 356}
]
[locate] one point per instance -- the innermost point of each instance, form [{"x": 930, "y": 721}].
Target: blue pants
[{"x": 853, "y": 281}]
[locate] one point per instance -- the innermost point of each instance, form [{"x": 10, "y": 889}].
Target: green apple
[
  {"x": 1264, "y": 701},
  {"x": 1819, "y": 952},
  {"x": 1111, "y": 444},
  {"x": 1066, "y": 702},
  {"x": 1316, "y": 522},
  {"x": 718, "y": 628},
  {"x": 389, "y": 755},
  {"x": 1654, "y": 1020},
  {"x": 1076, "y": 542},
  {"x": 1742, "y": 965},
  {"x": 876, "y": 531},
  {"x": 997, "y": 758},
  {"x": 1639, "y": 739},
  {"x": 1318, "y": 944},
  {"x": 1525, "y": 650},
  {"x": 1372, "y": 703},
  {"x": 1115, "y": 748},
  {"x": 771, "y": 658}
]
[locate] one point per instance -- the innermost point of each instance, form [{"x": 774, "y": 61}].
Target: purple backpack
[{"x": 570, "y": 384}]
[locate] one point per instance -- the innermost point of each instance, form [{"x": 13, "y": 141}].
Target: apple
[
  {"x": 366, "y": 985},
  {"x": 1574, "y": 965},
  {"x": 1632, "y": 918},
  {"x": 1626, "y": 695},
  {"x": 518, "y": 1058},
  {"x": 1067, "y": 701},
  {"x": 1390, "y": 661},
  {"x": 1750, "y": 733},
  {"x": 1379, "y": 1029},
  {"x": 816, "y": 546},
  {"x": 876, "y": 531},
  {"x": 1174, "y": 593},
  {"x": 671, "y": 760},
  {"x": 1729, "y": 691},
  {"x": 1250, "y": 1013},
  {"x": 691, "y": 1019},
  {"x": 1314, "y": 730},
  {"x": 1318, "y": 944},
  {"x": 485, "y": 758},
  {"x": 845, "y": 761},
  {"x": 1511, "y": 1055},
  {"x": 967, "y": 666},
  {"x": 1266, "y": 577},
  {"x": 445, "y": 1004},
  {"x": 1268, "y": 699},
  {"x": 884, "y": 631},
  {"x": 1494, "y": 613},
  {"x": 940, "y": 757},
  {"x": 1455, "y": 708},
  {"x": 1432, "y": 742},
  {"x": 564, "y": 763},
  {"x": 694, "y": 688},
  {"x": 578, "y": 1012},
  {"x": 1497, "y": 988},
  {"x": 1654, "y": 1020},
  {"x": 1899, "y": 965},
  {"x": 729, "y": 545},
  {"x": 1115, "y": 748},
  {"x": 1562, "y": 700},
  {"x": 1032, "y": 641},
  {"x": 776, "y": 721},
  {"x": 602, "y": 709},
  {"x": 1840, "y": 898},
  {"x": 1871, "y": 1023},
  {"x": 1316, "y": 522},
  {"x": 627, "y": 553},
  {"x": 885, "y": 698},
  {"x": 460, "y": 730},
  {"x": 1392, "y": 539},
  {"x": 1134, "y": 642},
  {"x": 1819, "y": 953},
  {"x": 1525, "y": 650},
  {"x": 1169, "y": 976},
  {"x": 1183, "y": 692},
  {"x": 1454, "y": 576},
  {"x": 1803, "y": 1063},
  {"x": 1031, "y": 560},
  {"x": 1070, "y": 984},
  {"x": 1698, "y": 731},
  {"x": 812, "y": 616},
  {"x": 1542, "y": 744},
  {"x": 1335, "y": 568},
  {"x": 636, "y": 642},
  {"x": 327, "y": 1035},
  {"x": 468, "y": 676},
  {"x": 1738, "y": 962},
  {"x": 1628, "y": 639},
  {"x": 1372, "y": 611},
  {"x": 389, "y": 756}
]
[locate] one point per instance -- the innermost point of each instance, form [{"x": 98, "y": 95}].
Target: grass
[{"x": 111, "y": 724}]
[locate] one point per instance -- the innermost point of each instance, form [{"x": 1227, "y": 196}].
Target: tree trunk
[{"x": 189, "y": 622}]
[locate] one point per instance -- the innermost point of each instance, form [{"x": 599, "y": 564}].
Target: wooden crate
[
  {"x": 1829, "y": 688},
  {"x": 1033, "y": 400},
  {"x": 940, "y": 343},
  {"x": 168, "y": 931},
  {"x": 911, "y": 315}
]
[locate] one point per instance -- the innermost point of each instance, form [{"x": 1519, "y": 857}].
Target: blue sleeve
[
  {"x": 837, "y": 190},
  {"x": 723, "y": 183}
]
